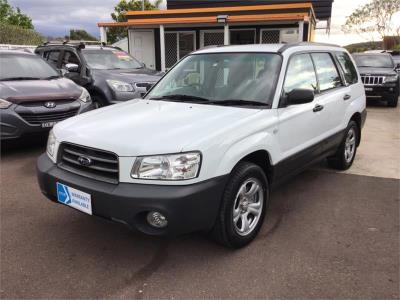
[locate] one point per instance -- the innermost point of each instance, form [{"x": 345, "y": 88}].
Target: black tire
[
  {"x": 393, "y": 102},
  {"x": 225, "y": 231},
  {"x": 341, "y": 161},
  {"x": 98, "y": 101}
]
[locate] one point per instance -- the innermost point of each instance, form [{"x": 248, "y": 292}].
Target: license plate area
[
  {"x": 75, "y": 198},
  {"x": 48, "y": 124}
]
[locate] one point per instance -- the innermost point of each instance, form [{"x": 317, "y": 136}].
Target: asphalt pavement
[{"x": 326, "y": 235}]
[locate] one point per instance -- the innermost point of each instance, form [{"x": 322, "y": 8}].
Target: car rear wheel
[
  {"x": 243, "y": 206},
  {"x": 346, "y": 153}
]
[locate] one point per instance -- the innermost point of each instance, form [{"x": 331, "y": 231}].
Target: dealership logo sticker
[
  {"x": 62, "y": 194},
  {"x": 74, "y": 198}
]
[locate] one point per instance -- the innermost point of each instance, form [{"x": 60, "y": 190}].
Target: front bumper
[
  {"x": 188, "y": 208},
  {"x": 13, "y": 126},
  {"x": 382, "y": 91}
]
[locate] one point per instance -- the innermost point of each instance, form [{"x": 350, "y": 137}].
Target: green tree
[
  {"x": 80, "y": 34},
  {"x": 14, "y": 16},
  {"x": 375, "y": 16},
  {"x": 15, "y": 35},
  {"x": 115, "y": 34}
]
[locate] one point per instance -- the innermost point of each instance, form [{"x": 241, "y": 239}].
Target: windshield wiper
[
  {"x": 239, "y": 102},
  {"x": 182, "y": 98},
  {"x": 19, "y": 78}
]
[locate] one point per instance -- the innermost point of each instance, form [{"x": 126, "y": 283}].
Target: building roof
[
  {"x": 322, "y": 8},
  {"x": 208, "y": 15}
]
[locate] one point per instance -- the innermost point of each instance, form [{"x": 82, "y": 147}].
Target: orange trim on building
[
  {"x": 210, "y": 19},
  {"x": 228, "y": 9}
]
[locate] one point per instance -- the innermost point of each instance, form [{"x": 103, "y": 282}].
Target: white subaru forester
[{"x": 205, "y": 146}]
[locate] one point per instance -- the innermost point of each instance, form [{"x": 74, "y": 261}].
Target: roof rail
[
  {"x": 75, "y": 43},
  {"x": 288, "y": 46}
]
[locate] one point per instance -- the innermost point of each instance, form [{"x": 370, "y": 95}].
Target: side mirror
[
  {"x": 398, "y": 67},
  {"x": 143, "y": 65},
  {"x": 72, "y": 68},
  {"x": 299, "y": 96}
]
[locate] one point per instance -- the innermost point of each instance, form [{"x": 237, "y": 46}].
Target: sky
[{"x": 56, "y": 17}]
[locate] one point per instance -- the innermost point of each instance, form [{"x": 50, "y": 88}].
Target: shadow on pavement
[{"x": 24, "y": 145}]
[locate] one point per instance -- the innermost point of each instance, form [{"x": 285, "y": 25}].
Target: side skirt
[{"x": 302, "y": 160}]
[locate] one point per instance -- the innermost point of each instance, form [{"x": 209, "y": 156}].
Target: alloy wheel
[
  {"x": 248, "y": 206},
  {"x": 350, "y": 145}
]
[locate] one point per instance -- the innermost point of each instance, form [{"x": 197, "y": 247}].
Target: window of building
[
  {"x": 242, "y": 36},
  {"x": 178, "y": 45}
]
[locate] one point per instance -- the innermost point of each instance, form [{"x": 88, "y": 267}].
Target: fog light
[{"x": 156, "y": 219}]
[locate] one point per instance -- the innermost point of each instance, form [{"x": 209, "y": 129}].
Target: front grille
[
  {"x": 372, "y": 80},
  {"x": 146, "y": 85},
  {"x": 39, "y": 118},
  {"x": 42, "y": 102},
  {"x": 103, "y": 165}
]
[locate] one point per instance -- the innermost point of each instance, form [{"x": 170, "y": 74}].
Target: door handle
[
  {"x": 318, "y": 108},
  {"x": 346, "y": 97}
]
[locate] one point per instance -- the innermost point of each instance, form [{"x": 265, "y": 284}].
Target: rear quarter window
[{"x": 349, "y": 70}]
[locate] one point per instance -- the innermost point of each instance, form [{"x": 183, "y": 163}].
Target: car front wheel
[
  {"x": 243, "y": 206},
  {"x": 393, "y": 101}
]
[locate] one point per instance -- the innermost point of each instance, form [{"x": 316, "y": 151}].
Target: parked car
[
  {"x": 108, "y": 73},
  {"x": 205, "y": 146},
  {"x": 379, "y": 75},
  {"x": 34, "y": 96}
]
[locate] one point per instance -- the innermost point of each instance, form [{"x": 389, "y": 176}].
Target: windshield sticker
[{"x": 123, "y": 56}]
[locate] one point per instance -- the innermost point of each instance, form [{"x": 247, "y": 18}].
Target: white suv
[{"x": 205, "y": 146}]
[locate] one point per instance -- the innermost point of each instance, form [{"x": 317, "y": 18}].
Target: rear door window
[
  {"x": 327, "y": 73},
  {"x": 349, "y": 70}
]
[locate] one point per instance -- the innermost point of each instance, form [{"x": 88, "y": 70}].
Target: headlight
[
  {"x": 4, "y": 104},
  {"x": 180, "y": 166},
  {"x": 85, "y": 96},
  {"x": 392, "y": 78},
  {"x": 51, "y": 144},
  {"x": 120, "y": 86}
]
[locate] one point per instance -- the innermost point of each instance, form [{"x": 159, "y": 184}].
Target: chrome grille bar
[{"x": 372, "y": 80}]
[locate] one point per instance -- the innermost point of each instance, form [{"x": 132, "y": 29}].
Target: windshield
[
  {"x": 374, "y": 61},
  {"x": 222, "y": 77},
  {"x": 106, "y": 59},
  {"x": 25, "y": 67}
]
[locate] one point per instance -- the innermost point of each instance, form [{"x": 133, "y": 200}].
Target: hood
[
  {"x": 142, "y": 127},
  {"x": 376, "y": 71},
  {"x": 129, "y": 75},
  {"x": 39, "y": 90}
]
